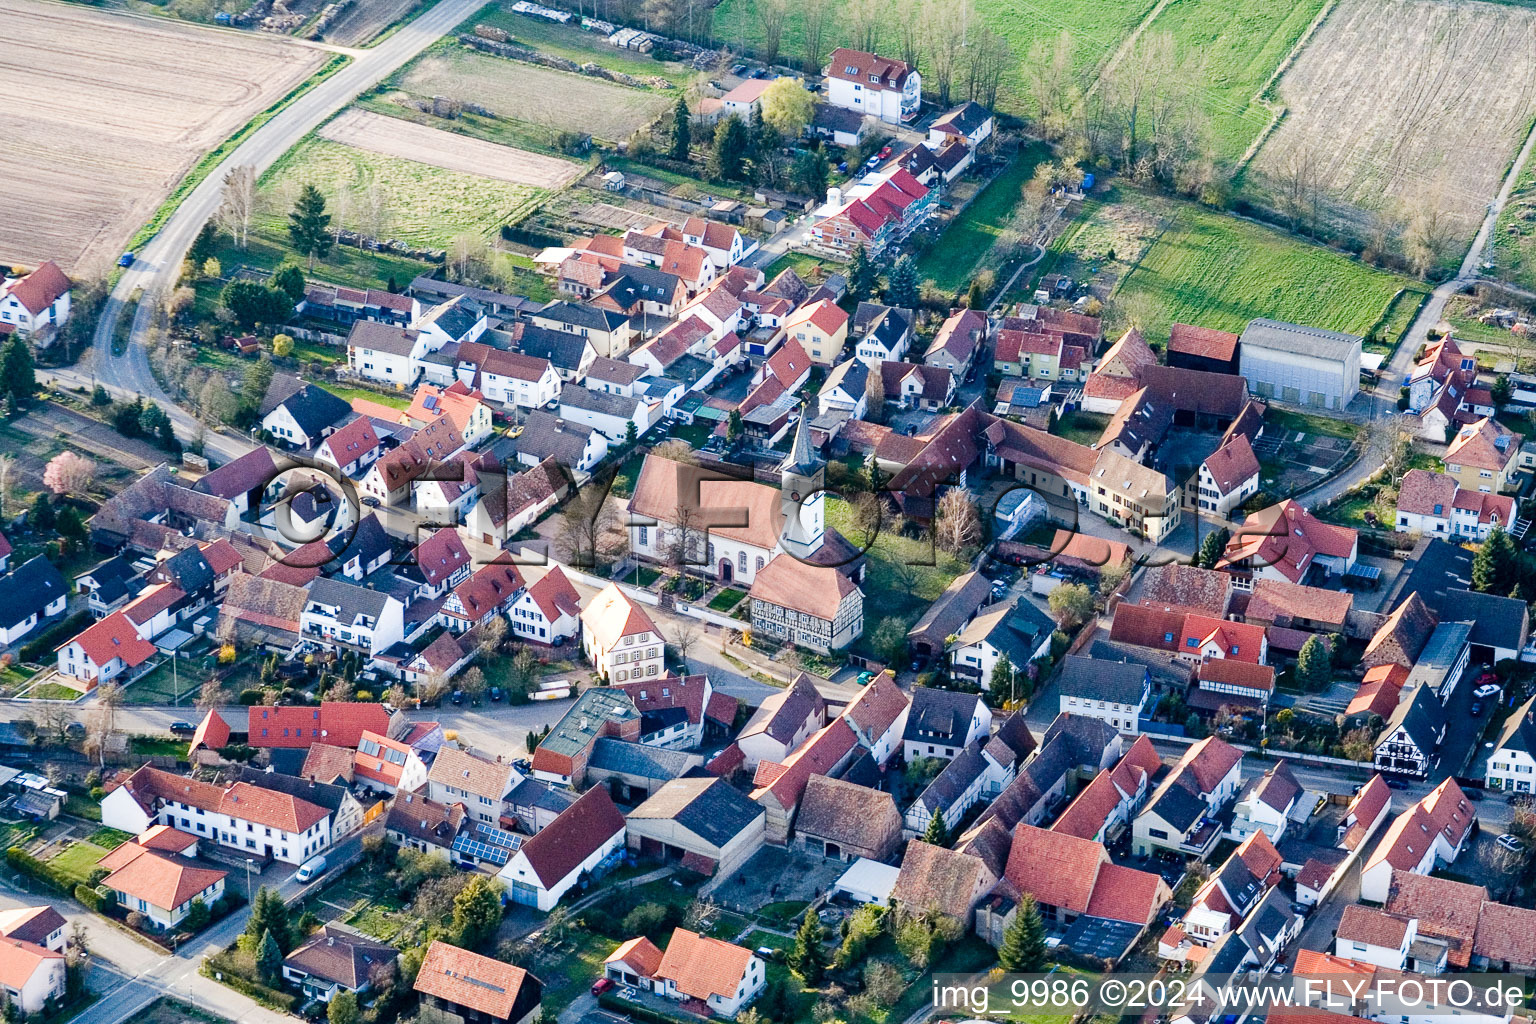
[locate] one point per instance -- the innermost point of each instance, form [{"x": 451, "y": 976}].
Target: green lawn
[
  {"x": 1082, "y": 427},
  {"x": 82, "y": 806},
  {"x": 1514, "y": 238},
  {"x": 1399, "y": 316},
  {"x": 159, "y": 746},
  {"x": 1217, "y": 271},
  {"x": 348, "y": 394},
  {"x": 159, "y": 687},
  {"x": 1097, "y": 26},
  {"x": 809, "y": 268},
  {"x": 268, "y": 247},
  {"x": 726, "y": 600},
  {"x": 77, "y": 861},
  {"x": 429, "y": 206},
  {"x": 576, "y": 44},
  {"x": 109, "y": 838},
  {"x": 1287, "y": 421},
  {"x": 52, "y": 691},
  {"x": 783, "y": 912},
  {"x": 968, "y": 239},
  {"x": 1236, "y": 45},
  {"x": 908, "y": 574}
]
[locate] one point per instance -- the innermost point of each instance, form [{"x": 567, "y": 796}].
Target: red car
[
  {"x": 601, "y": 985},
  {"x": 885, "y": 152}
]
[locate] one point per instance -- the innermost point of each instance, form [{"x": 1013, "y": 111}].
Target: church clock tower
[{"x": 802, "y": 477}]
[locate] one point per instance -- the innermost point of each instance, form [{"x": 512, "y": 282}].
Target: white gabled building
[
  {"x": 37, "y": 301},
  {"x": 875, "y": 86},
  {"x": 549, "y": 611},
  {"x": 619, "y": 638},
  {"x": 1512, "y": 765},
  {"x": 584, "y": 838}
]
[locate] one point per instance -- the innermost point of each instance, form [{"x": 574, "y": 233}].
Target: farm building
[{"x": 1300, "y": 365}]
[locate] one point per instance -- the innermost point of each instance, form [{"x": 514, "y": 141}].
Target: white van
[{"x": 310, "y": 869}]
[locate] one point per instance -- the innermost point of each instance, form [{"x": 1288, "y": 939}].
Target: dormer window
[{"x": 849, "y": 69}]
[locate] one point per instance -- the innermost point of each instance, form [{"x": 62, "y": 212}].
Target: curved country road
[{"x": 158, "y": 262}]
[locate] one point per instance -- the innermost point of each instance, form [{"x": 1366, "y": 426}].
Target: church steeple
[{"x": 802, "y": 478}]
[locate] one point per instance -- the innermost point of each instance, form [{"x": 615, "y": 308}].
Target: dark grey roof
[
  {"x": 380, "y": 337},
  {"x": 115, "y": 578},
  {"x": 321, "y": 794},
  {"x": 612, "y": 755},
  {"x": 28, "y": 590},
  {"x": 279, "y": 390},
  {"x": 838, "y": 119},
  {"x": 709, "y": 808},
  {"x": 1178, "y": 806},
  {"x": 578, "y": 315},
  {"x": 1307, "y": 341},
  {"x": 546, "y": 435},
  {"x": 1441, "y": 652},
  {"x": 940, "y": 715},
  {"x": 533, "y": 793},
  {"x": 432, "y": 288},
  {"x": 314, "y": 408},
  {"x": 867, "y": 313},
  {"x": 189, "y": 569},
  {"x": 561, "y": 348},
  {"x": 1265, "y": 924},
  {"x": 614, "y": 371},
  {"x": 1123, "y": 682},
  {"x": 366, "y": 542},
  {"x": 965, "y": 118},
  {"x": 1085, "y": 738},
  {"x": 636, "y": 283},
  {"x": 1442, "y": 577},
  {"x": 455, "y": 317},
  {"x": 605, "y": 403},
  {"x": 852, "y": 376},
  {"x": 956, "y": 777},
  {"x": 1421, "y": 716},
  {"x": 350, "y": 598},
  {"x": 1239, "y": 883}
]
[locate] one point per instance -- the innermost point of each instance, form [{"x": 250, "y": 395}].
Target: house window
[{"x": 645, "y": 536}]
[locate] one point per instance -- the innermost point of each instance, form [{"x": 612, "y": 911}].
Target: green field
[
  {"x": 1514, "y": 239},
  {"x": 965, "y": 244},
  {"x": 1234, "y": 47},
  {"x": 908, "y": 574},
  {"x": 348, "y": 394},
  {"x": 1096, "y": 26},
  {"x": 429, "y": 206},
  {"x": 1218, "y": 271},
  {"x": 576, "y": 44}
]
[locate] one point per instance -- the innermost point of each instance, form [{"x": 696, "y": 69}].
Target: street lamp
[{"x": 248, "y": 863}]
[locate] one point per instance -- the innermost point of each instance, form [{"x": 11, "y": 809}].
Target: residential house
[
  {"x": 942, "y": 723},
  {"x": 1300, "y": 365},
  {"x": 1286, "y": 542},
  {"x": 387, "y": 765},
  {"x": 1372, "y": 936},
  {"x": 586, "y": 837},
  {"x": 1434, "y": 504},
  {"x": 619, "y": 639},
  {"x": 875, "y": 212},
  {"x": 35, "y": 303},
  {"x": 33, "y": 592},
  {"x": 1228, "y": 477},
  {"x": 105, "y": 650},
  {"x": 570, "y": 354},
  {"x": 41, "y": 926},
  {"x": 1103, "y": 808},
  {"x": 1511, "y": 768},
  {"x": 680, "y": 711},
  {"x": 1265, "y": 804},
  {"x": 1117, "y": 692},
  {"x": 549, "y": 611},
  {"x": 246, "y": 481},
  {"x": 782, "y": 723},
  {"x": 465, "y": 408},
  {"x": 486, "y": 595},
  {"x": 577, "y": 447},
  {"x": 340, "y": 614},
  {"x": 336, "y": 959},
  {"x": 778, "y": 787},
  {"x": 1181, "y": 814},
  {"x": 160, "y": 887},
  {"x": 702, "y": 823},
  {"x": 821, "y": 328},
  {"x": 480, "y": 785},
  {"x": 873, "y": 86},
  {"x": 809, "y": 605},
  {"x": 976, "y": 775},
  {"x": 1402, "y": 635},
  {"x": 562, "y": 756},
  {"x": 1240, "y": 687},
  {"x": 609, "y": 332},
  {"x": 502, "y": 512},
  {"x": 1019, "y": 632},
  {"x": 1483, "y": 456},
  {"x": 616, "y": 417},
  {"x": 961, "y": 601},
  {"x": 390, "y": 480},
  {"x": 958, "y": 340},
  {"x": 1435, "y": 829},
  {"x": 721, "y": 975},
  {"x": 423, "y": 825},
  {"x": 884, "y": 333},
  {"x": 460, "y": 987},
  {"x": 512, "y": 378}
]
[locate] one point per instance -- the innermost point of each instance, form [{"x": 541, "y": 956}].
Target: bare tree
[
  {"x": 771, "y": 14},
  {"x": 958, "y": 524},
  {"x": 676, "y": 450},
  {"x": 1298, "y": 183},
  {"x": 374, "y": 213},
  {"x": 472, "y": 682},
  {"x": 862, "y": 20},
  {"x": 109, "y": 697},
  {"x": 7, "y": 481},
  {"x": 909, "y": 30},
  {"x": 944, "y": 32},
  {"x": 583, "y": 521},
  {"x": 683, "y": 542},
  {"x": 1428, "y": 237},
  {"x": 1127, "y": 86},
  {"x": 685, "y": 637},
  {"x": 433, "y": 688},
  {"x": 988, "y": 57},
  {"x": 239, "y": 203},
  {"x": 813, "y": 28},
  {"x": 868, "y": 517},
  {"x": 1052, "y": 81},
  {"x": 210, "y": 694}
]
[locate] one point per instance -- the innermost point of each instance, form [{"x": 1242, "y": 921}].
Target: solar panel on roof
[{"x": 482, "y": 851}]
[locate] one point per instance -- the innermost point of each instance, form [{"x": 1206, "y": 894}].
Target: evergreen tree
[
  {"x": 254, "y": 383},
  {"x": 309, "y": 226},
  {"x": 975, "y": 298},
  {"x": 201, "y": 250},
  {"x": 18, "y": 377},
  {"x": 43, "y": 515},
  {"x": 289, "y": 279},
  {"x": 476, "y": 911},
  {"x": 630, "y": 433},
  {"x": 252, "y": 303},
  {"x": 937, "y": 833},
  {"x": 732, "y": 144},
  {"x": 1314, "y": 665},
  {"x": 1023, "y": 948},
  {"x": 269, "y": 916},
  {"x": 269, "y": 958},
  {"x": 1002, "y": 678},
  {"x": 733, "y": 426},
  {"x": 682, "y": 130},
  {"x": 71, "y": 530},
  {"x": 862, "y": 273},
  {"x": 811, "y": 172},
  {"x": 1212, "y": 547},
  {"x": 808, "y": 957},
  {"x": 903, "y": 290},
  {"x": 1493, "y": 567}
]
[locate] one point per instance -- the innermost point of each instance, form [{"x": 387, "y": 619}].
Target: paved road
[{"x": 155, "y": 271}]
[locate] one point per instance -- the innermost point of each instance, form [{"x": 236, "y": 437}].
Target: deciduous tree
[
  {"x": 958, "y": 524},
  {"x": 1071, "y": 604},
  {"x": 788, "y": 106},
  {"x": 238, "y": 204},
  {"x": 69, "y": 473}
]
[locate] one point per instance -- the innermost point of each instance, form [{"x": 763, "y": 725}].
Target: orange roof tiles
[
  {"x": 700, "y": 966},
  {"x": 469, "y": 979},
  {"x": 161, "y": 881}
]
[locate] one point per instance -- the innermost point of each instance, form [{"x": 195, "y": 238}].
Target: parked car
[
  {"x": 523, "y": 765},
  {"x": 182, "y": 729},
  {"x": 495, "y": 693},
  {"x": 1472, "y": 793},
  {"x": 884, "y": 153},
  {"x": 371, "y": 501},
  {"x": 601, "y": 985},
  {"x": 767, "y": 952},
  {"x": 1477, "y": 708},
  {"x": 458, "y": 696},
  {"x": 1396, "y": 784},
  {"x": 125, "y": 260},
  {"x": 1510, "y": 842}
]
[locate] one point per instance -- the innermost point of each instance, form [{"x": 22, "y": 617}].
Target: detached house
[
  {"x": 942, "y": 723},
  {"x": 874, "y": 86},
  {"x": 106, "y": 650},
  {"x": 1434, "y": 504},
  {"x": 305, "y": 417},
  {"x": 1435, "y": 829},
  {"x": 35, "y": 303},
  {"x": 619, "y": 638},
  {"x": 821, "y": 328},
  {"x": 549, "y": 611},
  {"x": 1511, "y": 767},
  {"x": 342, "y": 614},
  {"x": 1287, "y": 542},
  {"x": 460, "y": 987},
  {"x": 884, "y": 333},
  {"x": 339, "y": 960},
  {"x": 161, "y": 887},
  {"x": 1181, "y": 814}
]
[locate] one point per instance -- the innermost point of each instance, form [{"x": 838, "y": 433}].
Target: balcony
[{"x": 1203, "y": 839}]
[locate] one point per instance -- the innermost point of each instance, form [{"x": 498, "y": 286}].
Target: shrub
[
  {"x": 90, "y": 898},
  {"x": 29, "y": 865},
  {"x": 252, "y": 696},
  {"x": 136, "y": 920}
]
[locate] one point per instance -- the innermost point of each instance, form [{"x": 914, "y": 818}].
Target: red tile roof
[
  {"x": 1204, "y": 342},
  {"x": 38, "y": 290},
  {"x": 887, "y": 72},
  {"x": 377, "y": 767},
  {"x": 114, "y": 637},
  {"x": 161, "y": 881},
  {"x": 1379, "y": 691},
  {"x": 1240, "y": 640},
  {"x": 554, "y": 595},
  {"x": 612, "y": 615},
  {"x": 1287, "y": 537},
  {"x": 352, "y": 441},
  {"x": 441, "y": 555},
  {"x": 700, "y": 966},
  {"x": 492, "y": 587},
  {"x": 818, "y": 755},
  {"x": 575, "y": 834},
  {"x": 1055, "y": 867},
  {"x": 212, "y": 732},
  {"x": 340, "y": 722},
  {"x": 640, "y": 953},
  {"x": 1233, "y": 464},
  {"x": 469, "y": 979}
]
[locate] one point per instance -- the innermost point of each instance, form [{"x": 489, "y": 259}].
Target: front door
[{"x": 726, "y": 572}]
